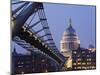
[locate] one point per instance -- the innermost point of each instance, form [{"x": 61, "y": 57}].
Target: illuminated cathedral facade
[{"x": 69, "y": 42}]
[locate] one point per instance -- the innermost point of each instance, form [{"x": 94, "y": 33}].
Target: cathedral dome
[
  {"x": 65, "y": 33},
  {"x": 69, "y": 40},
  {"x": 70, "y": 30}
]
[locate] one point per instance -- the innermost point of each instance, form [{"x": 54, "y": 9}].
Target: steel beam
[
  {"x": 22, "y": 17},
  {"x": 21, "y": 6}
]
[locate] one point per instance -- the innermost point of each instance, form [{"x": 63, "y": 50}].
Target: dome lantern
[
  {"x": 70, "y": 30},
  {"x": 70, "y": 22}
]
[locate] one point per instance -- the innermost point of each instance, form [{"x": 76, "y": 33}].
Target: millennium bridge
[{"x": 24, "y": 33}]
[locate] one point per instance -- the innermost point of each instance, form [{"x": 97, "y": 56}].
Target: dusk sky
[{"x": 83, "y": 21}]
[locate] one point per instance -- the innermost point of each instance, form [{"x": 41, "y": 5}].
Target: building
[
  {"x": 92, "y": 48},
  {"x": 33, "y": 62},
  {"x": 69, "y": 42},
  {"x": 43, "y": 64},
  {"x": 83, "y": 59},
  {"x": 21, "y": 63}
]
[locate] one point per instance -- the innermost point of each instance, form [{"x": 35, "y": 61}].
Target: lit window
[
  {"x": 74, "y": 63},
  {"x": 74, "y": 67},
  {"x": 84, "y": 67},
  {"x": 78, "y": 67},
  {"x": 43, "y": 60},
  {"x": 83, "y": 51},
  {"x": 83, "y": 63},
  {"x": 78, "y": 55},
  {"x": 22, "y": 72},
  {"x": 88, "y": 55},
  {"x": 20, "y": 66},
  {"x": 74, "y": 52},
  {"x": 88, "y": 63},
  {"x": 79, "y": 63},
  {"x": 93, "y": 67},
  {"x": 89, "y": 59},
  {"x": 79, "y": 59}
]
